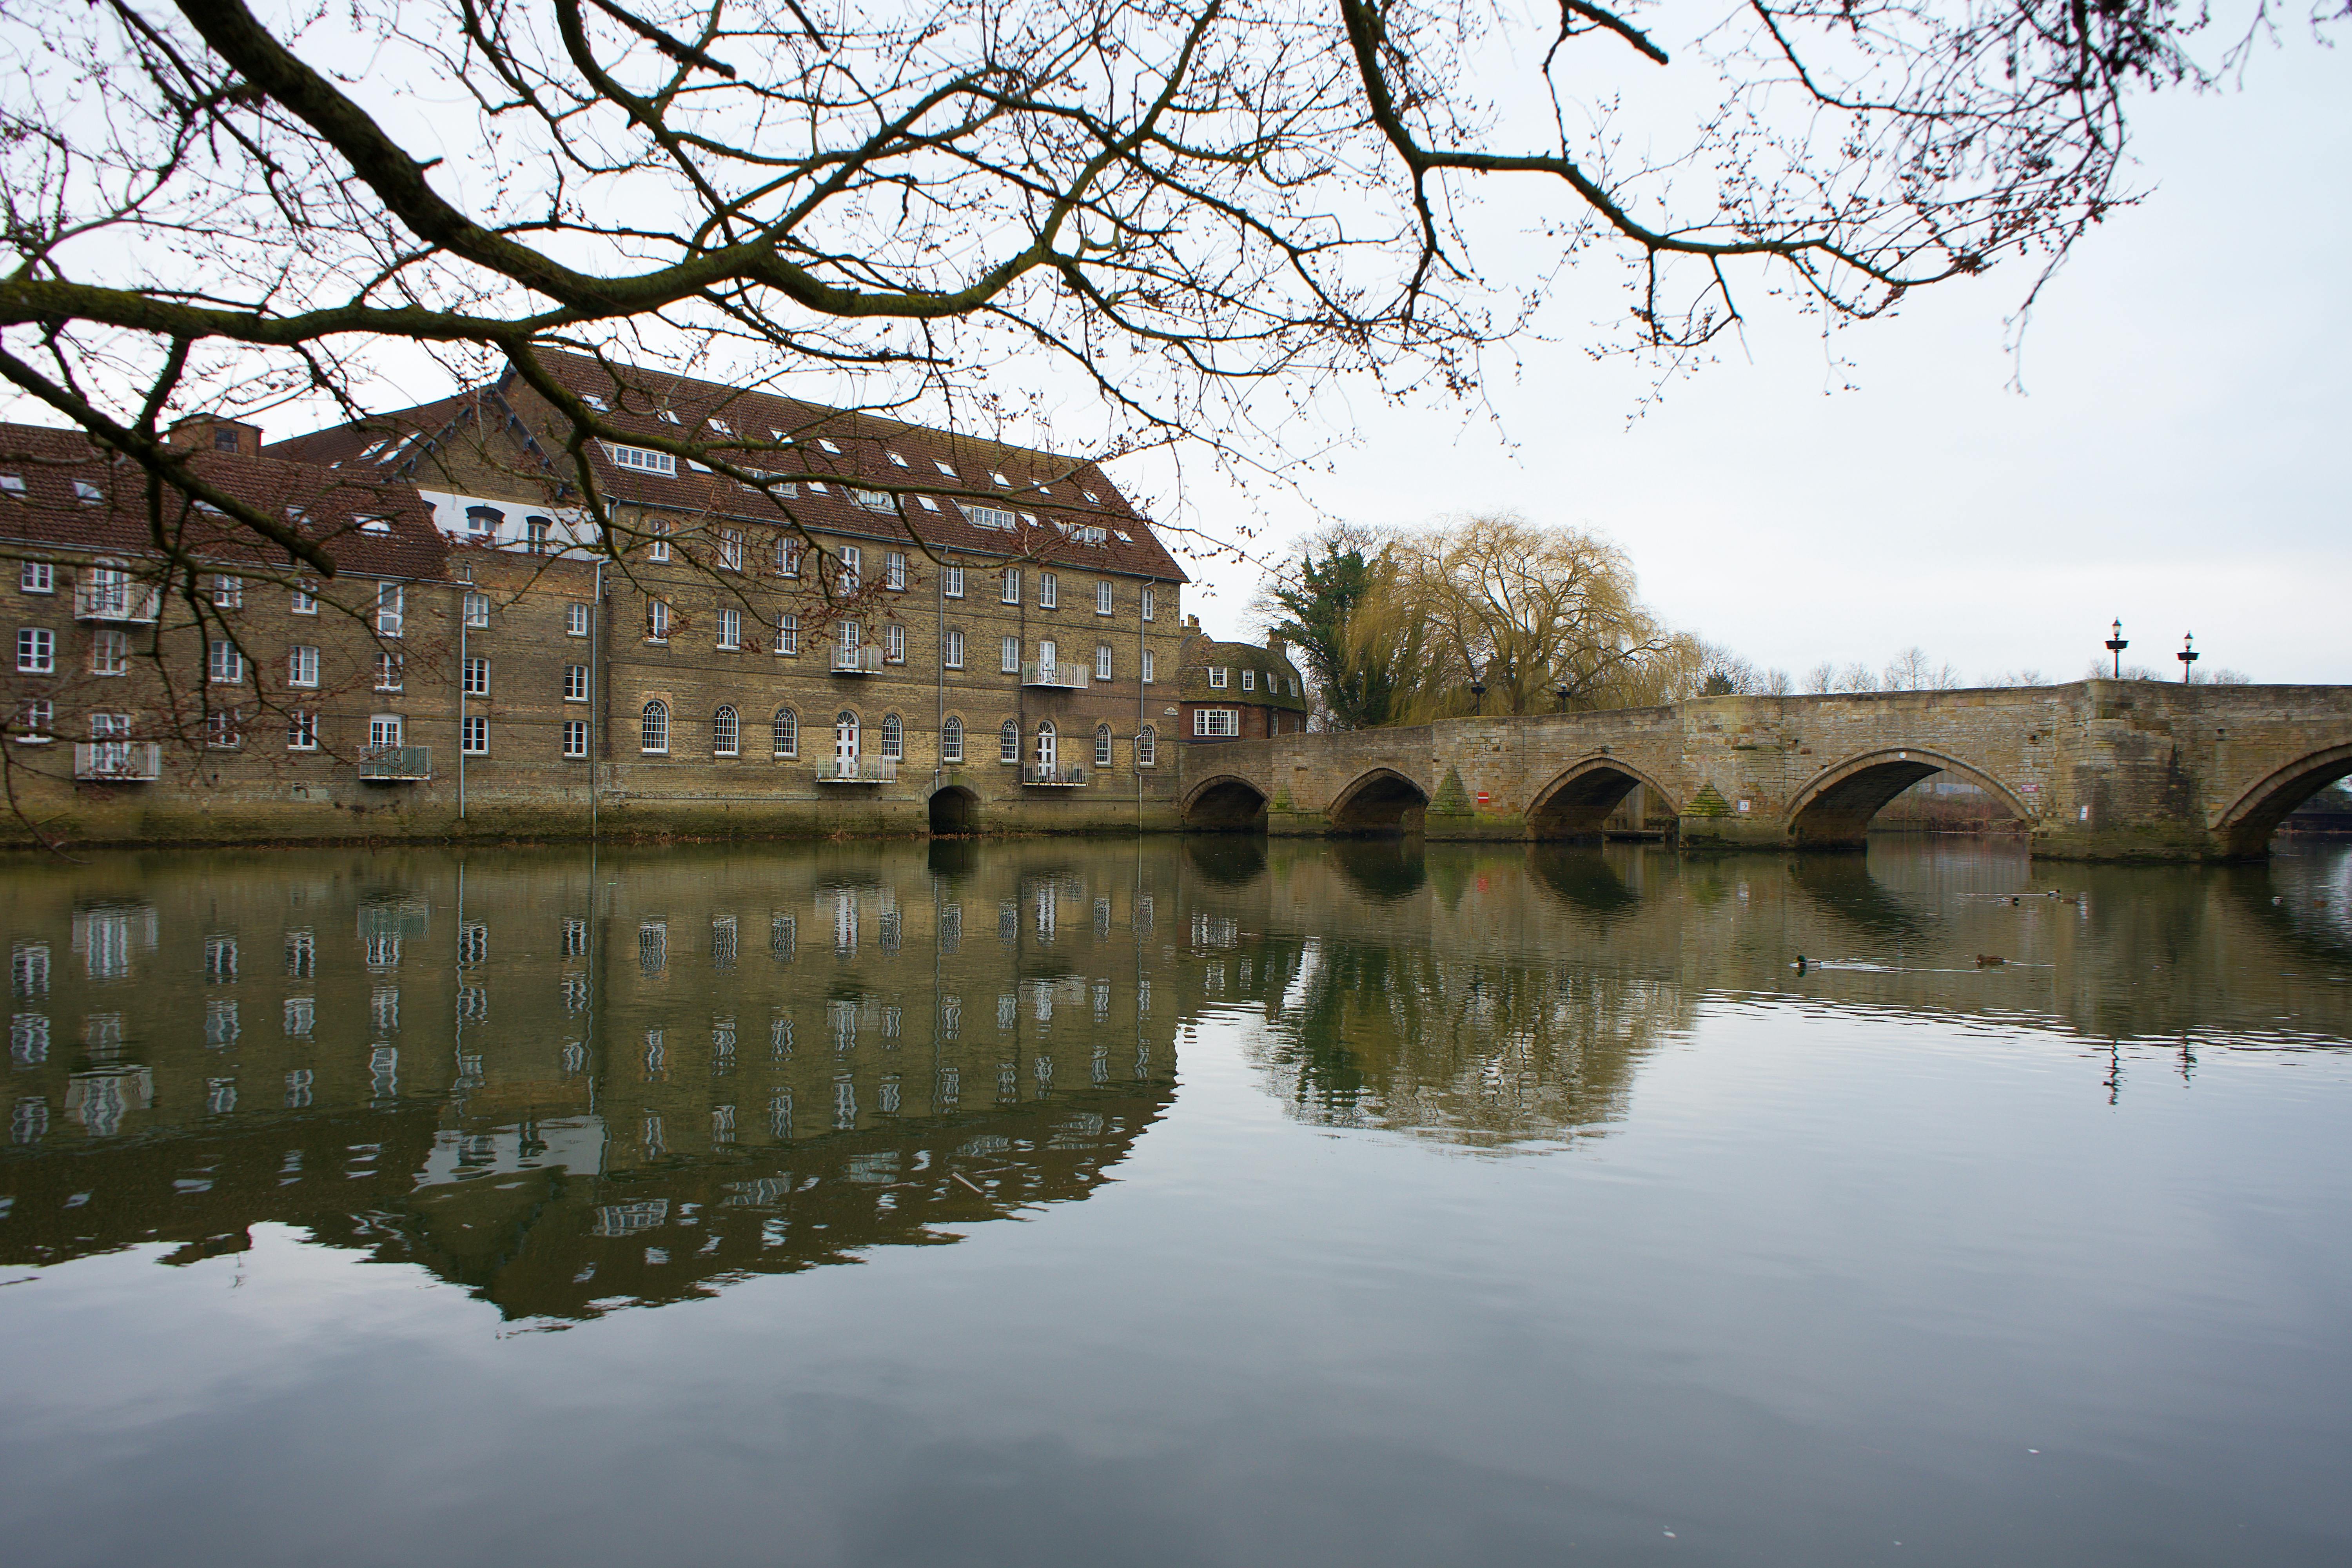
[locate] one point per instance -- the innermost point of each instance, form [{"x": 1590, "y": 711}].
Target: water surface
[{"x": 1175, "y": 1201}]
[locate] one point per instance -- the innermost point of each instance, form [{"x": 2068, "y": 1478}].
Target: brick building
[{"x": 1237, "y": 691}]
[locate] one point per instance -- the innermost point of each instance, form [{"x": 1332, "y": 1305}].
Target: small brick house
[{"x": 1238, "y": 690}]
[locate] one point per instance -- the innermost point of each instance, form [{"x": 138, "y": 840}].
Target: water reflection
[{"x": 574, "y": 1082}]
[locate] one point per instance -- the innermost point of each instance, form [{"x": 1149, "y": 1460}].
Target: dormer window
[
  {"x": 482, "y": 522},
  {"x": 896, "y": 461},
  {"x": 944, "y": 468},
  {"x": 875, "y": 500},
  {"x": 988, "y": 516},
  {"x": 645, "y": 459},
  {"x": 1217, "y": 675}
]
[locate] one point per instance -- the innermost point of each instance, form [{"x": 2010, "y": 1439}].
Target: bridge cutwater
[{"x": 2097, "y": 769}]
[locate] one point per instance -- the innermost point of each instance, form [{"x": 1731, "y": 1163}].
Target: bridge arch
[
  {"x": 1575, "y": 804},
  {"x": 1837, "y": 805},
  {"x": 2245, "y": 827},
  {"x": 1227, "y": 802},
  {"x": 1382, "y": 801}
]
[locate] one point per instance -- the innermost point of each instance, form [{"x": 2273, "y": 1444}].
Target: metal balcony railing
[
  {"x": 396, "y": 764},
  {"x": 1055, "y": 777},
  {"x": 1063, "y": 676},
  {"x": 866, "y": 659},
  {"x": 858, "y": 770},
  {"x": 131, "y": 601},
  {"x": 118, "y": 761}
]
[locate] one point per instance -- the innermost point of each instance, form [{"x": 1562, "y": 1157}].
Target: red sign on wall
[{"x": 1482, "y": 797}]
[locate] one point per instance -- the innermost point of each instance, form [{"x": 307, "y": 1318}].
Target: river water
[{"x": 1195, "y": 1201}]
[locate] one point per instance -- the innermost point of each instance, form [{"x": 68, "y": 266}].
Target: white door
[
  {"x": 111, "y": 732},
  {"x": 1046, "y": 660},
  {"x": 1045, "y": 744},
  {"x": 844, "y": 744},
  {"x": 384, "y": 729}
]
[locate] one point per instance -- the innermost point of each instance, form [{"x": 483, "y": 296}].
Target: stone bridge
[{"x": 2097, "y": 769}]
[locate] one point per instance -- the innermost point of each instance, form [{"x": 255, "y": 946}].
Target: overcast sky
[{"x": 2168, "y": 461}]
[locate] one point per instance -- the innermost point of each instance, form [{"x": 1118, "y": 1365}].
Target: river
[{"x": 1175, "y": 1201}]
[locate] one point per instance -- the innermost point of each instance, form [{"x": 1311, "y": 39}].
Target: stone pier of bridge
[{"x": 2095, "y": 770}]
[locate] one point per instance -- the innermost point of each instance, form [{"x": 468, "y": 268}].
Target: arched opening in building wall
[
  {"x": 954, "y": 809},
  {"x": 1835, "y": 809},
  {"x": 1226, "y": 806},
  {"x": 1578, "y": 804},
  {"x": 2247, "y": 825},
  {"x": 1380, "y": 801}
]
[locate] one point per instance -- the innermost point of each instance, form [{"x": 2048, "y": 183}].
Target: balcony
[
  {"x": 118, "y": 761},
  {"x": 858, "y": 770},
  {"x": 396, "y": 765},
  {"x": 131, "y": 603},
  {"x": 866, "y": 659},
  {"x": 1052, "y": 777},
  {"x": 1060, "y": 677}
]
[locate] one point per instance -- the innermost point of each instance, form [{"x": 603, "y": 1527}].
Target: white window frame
[
  {"x": 1011, "y": 588},
  {"x": 577, "y": 619},
  {"x": 109, "y": 651},
  {"x": 653, "y": 728},
  {"x": 894, "y": 642},
  {"x": 228, "y": 593},
  {"x": 477, "y": 676},
  {"x": 1010, "y": 662},
  {"x": 1103, "y": 597},
  {"x": 391, "y": 672},
  {"x": 1102, "y": 662},
  {"x": 1102, "y": 745},
  {"x": 224, "y": 664},
  {"x": 575, "y": 738},
  {"x": 894, "y": 571},
  {"x": 785, "y": 733},
  {"x": 301, "y": 730},
  {"x": 951, "y": 582},
  {"x": 730, "y": 630},
  {"x": 477, "y": 608},
  {"x": 788, "y": 634},
  {"x": 1217, "y": 676},
  {"x": 952, "y": 650},
  {"x": 474, "y": 735},
  {"x": 894, "y": 738},
  {"x": 1217, "y": 723},
  {"x": 644, "y": 459},
  {"x": 225, "y": 730},
  {"x": 1249, "y": 680},
  {"x": 1147, "y": 663},
  {"x": 384, "y": 730},
  {"x": 659, "y": 528},
  {"x": 391, "y": 609},
  {"x": 1049, "y": 591},
  {"x": 304, "y": 600},
  {"x": 853, "y": 566},
  {"x": 575, "y": 683},
  {"x": 37, "y": 577},
  {"x": 726, "y": 731},
  {"x": 731, "y": 549},
  {"x": 1146, "y": 747},
  {"x": 1008, "y": 744},
  {"x": 302, "y": 665},
  {"x": 951, "y": 739},
  {"x": 1150, "y": 602},
  {"x": 37, "y": 650},
  {"x": 657, "y": 620}
]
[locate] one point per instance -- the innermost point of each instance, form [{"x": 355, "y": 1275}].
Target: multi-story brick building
[
  {"x": 865, "y": 625},
  {"x": 1237, "y": 691}
]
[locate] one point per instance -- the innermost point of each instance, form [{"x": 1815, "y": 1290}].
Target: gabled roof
[
  {"x": 78, "y": 495},
  {"x": 841, "y": 450}
]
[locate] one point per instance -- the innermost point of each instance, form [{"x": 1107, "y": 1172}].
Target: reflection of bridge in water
[
  {"x": 2097, "y": 769},
  {"x": 572, "y": 1083}
]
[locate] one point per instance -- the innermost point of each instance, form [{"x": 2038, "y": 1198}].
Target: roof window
[
  {"x": 596, "y": 403},
  {"x": 379, "y": 446},
  {"x": 1124, "y": 537},
  {"x": 927, "y": 503},
  {"x": 723, "y": 427},
  {"x": 87, "y": 493},
  {"x": 375, "y": 525},
  {"x": 828, "y": 445},
  {"x": 1045, "y": 490},
  {"x": 1030, "y": 517},
  {"x": 818, "y": 485},
  {"x": 1090, "y": 497},
  {"x": 896, "y": 461},
  {"x": 669, "y": 415},
  {"x": 13, "y": 485},
  {"x": 875, "y": 500},
  {"x": 988, "y": 516},
  {"x": 642, "y": 459},
  {"x": 1000, "y": 479},
  {"x": 945, "y": 468}
]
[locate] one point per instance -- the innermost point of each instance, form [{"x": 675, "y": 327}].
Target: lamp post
[
  {"x": 1560, "y": 693},
  {"x": 1478, "y": 689},
  {"x": 2116, "y": 645},
  {"x": 2187, "y": 655}
]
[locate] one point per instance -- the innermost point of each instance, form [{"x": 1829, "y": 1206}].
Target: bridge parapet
[{"x": 2095, "y": 770}]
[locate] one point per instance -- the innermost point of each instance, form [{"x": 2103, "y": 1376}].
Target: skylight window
[
  {"x": 896, "y": 461},
  {"x": 722, "y": 427},
  {"x": 596, "y": 403},
  {"x": 13, "y": 484},
  {"x": 669, "y": 415},
  {"x": 1089, "y": 495},
  {"x": 927, "y": 503},
  {"x": 1000, "y": 479},
  {"x": 1029, "y": 518},
  {"x": 944, "y": 468},
  {"x": 379, "y": 446},
  {"x": 87, "y": 493},
  {"x": 1125, "y": 537},
  {"x": 375, "y": 525},
  {"x": 828, "y": 445},
  {"x": 298, "y": 516},
  {"x": 818, "y": 485},
  {"x": 1045, "y": 490}
]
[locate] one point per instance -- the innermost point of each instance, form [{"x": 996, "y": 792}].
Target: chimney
[
  {"x": 211, "y": 433},
  {"x": 1191, "y": 622},
  {"x": 1275, "y": 646}
]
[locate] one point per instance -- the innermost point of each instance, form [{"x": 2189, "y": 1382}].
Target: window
[
  {"x": 731, "y": 628},
  {"x": 951, "y": 651},
  {"x": 1102, "y": 662},
  {"x": 657, "y": 620},
  {"x": 653, "y": 728},
  {"x": 726, "y": 734},
  {"x": 852, "y": 559},
  {"x": 952, "y": 741},
  {"x": 894, "y": 643},
  {"x": 642, "y": 459},
  {"x": 228, "y": 593},
  {"x": 225, "y": 730},
  {"x": 1151, "y": 600},
  {"x": 383, "y": 731},
  {"x": 37, "y": 650},
  {"x": 1148, "y": 662},
  {"x": 788, "y": 634},
  {"x": 788, "y": 732},
  {"x": 1008, "y": 744},
  {"x": 874, "y": 500},
  {"x": 951, "y": 582},
  {"x": 474, "y": 735},
  {"x": 894, "y": 571},
  {"x": 391, "y": 604},
  {"x": 1048, "y": 744},
  {"x": 1102, "y": 745},
  {"x": 1217, "y": 675},
  {"x": 37, "y": 577},
  {"x": 1013, "y": 584},
  {"x": 388, "y": 673},
  {"x": 576, "y": 737},
  {"x": 34, "y": 719},
  {"x": 109, "y": 653},
  {"x": 731, "y": 549},
  {"x": 943, "y": 468},
  {"x": 305, "y": 600},
  {"x": 894, "y": 737},
  {"x": 988, "y": 516},
  {"x": 575, "y": 683},
  {"x": 301, "y": 666},
  {"x": 477, "y": 677},
  {"x": 1049, "y": 591},
  {"x": 1146, "y": 747},
  {"x": 1249, "y": 680},
  {"x": 788, "y": 556},
  {"x": 1011, "y": 664},
  {"x": 482, "y": 523},
  {"x": 1216, "y": 721},
  {"x": 226, "y": 664},
  {"x": 896, "y": 461},
  {"x": 576, "y": 620},
  {"x": 1102, "y": 598},
  {"x": 477, "y": 608}
]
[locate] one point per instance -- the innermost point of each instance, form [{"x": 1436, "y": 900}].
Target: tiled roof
[
  {"x": 1202, "y": 650},
  {"x": 1051, "y": 497},
  {"x": 77, "y": 495}
]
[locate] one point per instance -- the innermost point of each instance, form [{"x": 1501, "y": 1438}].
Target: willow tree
[{"x": 213, "y": 207}]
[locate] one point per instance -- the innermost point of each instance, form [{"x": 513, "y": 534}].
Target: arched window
[
  {"x": 894, "y": 737},
  {"x": 653, "y": 733},
  {"x": 788, "y": 732},
  {"x": 726, "y": 732},
  {"x": 1102, "y": 745},
  {"x": 1146, "y": 747},
  {"x": 1008, "y": 742},
  {"x": 1045, "y": 744},
  {"x": 952, "y": 741}
]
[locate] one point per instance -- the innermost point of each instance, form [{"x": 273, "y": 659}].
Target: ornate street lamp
[
  {"x": 1478, "y": 689},
  {"x": 2116, "y": 645},
  {"x": 2186, "y": 655},
  {"x": 1560, "y": 693}
]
